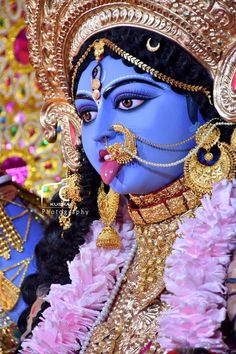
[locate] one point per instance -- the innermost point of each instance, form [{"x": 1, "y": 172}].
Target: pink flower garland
[
  {"x": 195, "y": 274},
  {"x": 74, "y": 307},
  {"x": 194, "y": 278}
]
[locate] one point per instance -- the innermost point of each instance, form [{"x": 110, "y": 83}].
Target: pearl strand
[
  {"x": 106, "y": 308},
  {"x": 178, "y": 162}
]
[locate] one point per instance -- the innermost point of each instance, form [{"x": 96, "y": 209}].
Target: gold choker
[{"x": 175, "y": 199}]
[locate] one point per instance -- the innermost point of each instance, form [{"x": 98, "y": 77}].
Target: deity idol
[
  {"x": 21, "y": 227},
  {"x": 144, "y": 93}
]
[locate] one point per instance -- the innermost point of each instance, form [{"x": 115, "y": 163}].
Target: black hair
[{"x": 53, "y": 251}]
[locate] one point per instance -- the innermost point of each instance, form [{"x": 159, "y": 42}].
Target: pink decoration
[
  {"x": 10, "y": 107},
  {"x": 21, "y": 143},
  {"x": 19, "y": 174},
  {"x": 32, "y": 149},
  {"x": 195, "y": 274},
  {"x": 21, "y": 49},
  {"x": 8, "y": 146},
  {"x": 233, "y": 83},
  {"x": 17, "y": 168},
  {"x": 57, "y": 178},
  {"x": 20, "y": 117},
  {"x": 75, "y": 307}
]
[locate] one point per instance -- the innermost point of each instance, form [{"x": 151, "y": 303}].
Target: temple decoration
[{"x": 26, "y": 156}]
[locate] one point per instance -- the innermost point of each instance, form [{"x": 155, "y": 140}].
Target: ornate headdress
[{"x": 58, "y": 28}]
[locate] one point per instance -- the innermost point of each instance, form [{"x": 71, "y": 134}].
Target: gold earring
[
  {"x": 199, "y": 176},
  {"x": 70, "y": 195},
  {"x": 108, "y": 205}
]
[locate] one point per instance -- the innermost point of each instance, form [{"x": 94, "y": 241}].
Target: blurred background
[{"x": 24, "y": 153}]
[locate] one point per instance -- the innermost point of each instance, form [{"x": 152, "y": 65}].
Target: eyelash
[
  {"x": 135, "y": 94},
  {"x": 138, "y": 95},
  {"x": 85, "y": 109}
]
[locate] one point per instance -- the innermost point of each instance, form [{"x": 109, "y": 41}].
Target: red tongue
[{"x": 109, "y": 170}]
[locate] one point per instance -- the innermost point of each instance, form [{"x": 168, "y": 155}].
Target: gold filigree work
[
  {"x": 200, "y": 176},
  {"x": 70, "y": 195},
  {"x": 108, "y": 205},
  {"x": 10, "y": 236},
  {"x": 173, "y": 200},
  {"x": 9, "y": 292},
  {"x": 117, "y": 150},
  {"x": 134, "y": 319}
]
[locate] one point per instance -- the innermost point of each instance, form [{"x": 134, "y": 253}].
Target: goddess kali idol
[{"x": 140, "y": 256}]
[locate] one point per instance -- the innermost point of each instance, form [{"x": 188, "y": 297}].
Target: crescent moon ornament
[{"x": 150, "y": 48}]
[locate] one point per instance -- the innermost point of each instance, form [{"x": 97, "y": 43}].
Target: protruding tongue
[{"x": 109, "y": 170}]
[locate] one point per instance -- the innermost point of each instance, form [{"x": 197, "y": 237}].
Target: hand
[
  {"x": 8, "y": 192},
  {"x": 36, "y": 307}
]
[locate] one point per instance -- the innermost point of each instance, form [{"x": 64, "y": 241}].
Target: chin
[
  {"x": 119, "y": 187},
  {"x": 124, "y": 187}
]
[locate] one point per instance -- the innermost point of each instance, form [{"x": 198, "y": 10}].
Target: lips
[{"x": 110, "y": 168}]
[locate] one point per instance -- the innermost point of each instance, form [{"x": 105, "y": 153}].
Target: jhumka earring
[
  {"x": 212, "y": 163},
  {"x": 108, "y": 205},
  {"x": 70, "y": 195}
]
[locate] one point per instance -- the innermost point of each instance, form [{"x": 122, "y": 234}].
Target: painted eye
[
  {"x": 88, "y": 116},
  {"x": 129, "y": 103}
]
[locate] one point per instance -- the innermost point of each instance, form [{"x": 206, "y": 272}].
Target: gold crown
[{"x": 58, "y": 29}]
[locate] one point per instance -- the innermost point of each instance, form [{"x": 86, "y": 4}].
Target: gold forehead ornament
[
  {"x": 99, "y": 49},
  {"x": 58, "y": 29},
  {"x": 150, "y": 48}
]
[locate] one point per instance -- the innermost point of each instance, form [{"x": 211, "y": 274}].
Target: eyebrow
[
  {"x": 84, "y": 96},
  {"x": 128, "y": 81}
]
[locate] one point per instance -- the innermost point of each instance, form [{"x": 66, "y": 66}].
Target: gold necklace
[
  {"x": 175, "y": 199},
  {"x": 9, "y": 292},
  {"x": 10, "y": 236},
  {"x": 134, "y": 318}
]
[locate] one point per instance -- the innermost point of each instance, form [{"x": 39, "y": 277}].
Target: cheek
[
  {"x": 164, "y": 120},
  {"x": 86, "y": 136},
  {"x": 90, "y": 149}
]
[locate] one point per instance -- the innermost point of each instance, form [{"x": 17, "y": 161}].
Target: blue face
[{"x": 148, "y": 108}]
